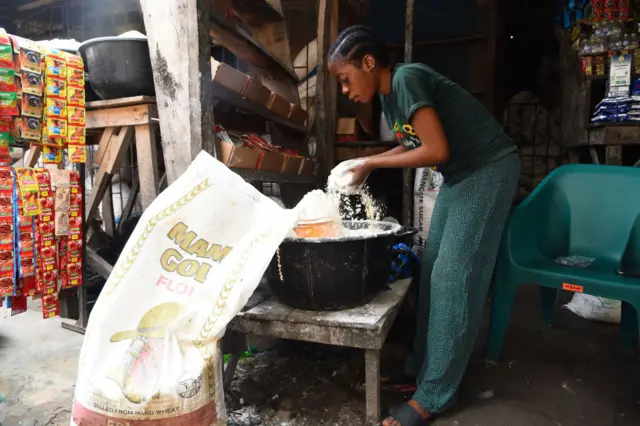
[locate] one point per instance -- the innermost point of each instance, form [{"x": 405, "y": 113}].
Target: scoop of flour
[
  {"x": 341, "y": 178},
  {"x": 318, "y": 205}
]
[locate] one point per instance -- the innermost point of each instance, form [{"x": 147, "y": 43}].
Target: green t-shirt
[{"x": 475, "y": 137}]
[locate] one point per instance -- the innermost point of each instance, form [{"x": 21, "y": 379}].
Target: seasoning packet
[
  {"x": 30, "y": 128},
  {"x": 56, "y": 107},
  {"x": 7, "y": 80},
  {"x": 76, "y": 135},
  {"x": 56, "y": 127},
  {"x": 77, "y": 154},
  {"x": 76, "y": 116},
  {"x": 55, "y": 65},
  {"x": 31, "y": 83},
  {"x": 56, "y": 87},
  {"x": 31, "y": 105},
  {"x": 75, "y": 96},
  {"x": 8, "y": 104}
]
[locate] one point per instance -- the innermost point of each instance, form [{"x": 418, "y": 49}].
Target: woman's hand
[{"x": 361, "y": 170}]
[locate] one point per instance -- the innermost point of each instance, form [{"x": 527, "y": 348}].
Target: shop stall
[{"x": 600, "y": 58}]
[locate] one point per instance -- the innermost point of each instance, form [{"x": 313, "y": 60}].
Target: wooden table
[{"x": 365, "y": 327}]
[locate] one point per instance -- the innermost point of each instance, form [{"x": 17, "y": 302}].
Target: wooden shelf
[
  {"x": 229, "y": 96},
  {"x": 235, "y": 38},
  {"x": 355, "y": 144},
  {"x": 593, "y": 126},
  {"x": 262, "y": 176}
]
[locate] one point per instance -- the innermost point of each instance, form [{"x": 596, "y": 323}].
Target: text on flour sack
[{"x": 188, "y": 243}]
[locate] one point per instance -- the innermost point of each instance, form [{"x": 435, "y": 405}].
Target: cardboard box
[
  {"x": 291, "y": 165},
  {"x": 307, "y": 167},
  {"x": 228, "y": 77},
  {"x": 348, "y": 129},
  {"x": 237, "y": 157},
  {"x": 298, "y": 115},
  {"x": 257, "y": 92},
  {"x": 279, "y": 105},
  {"x": 270, "y": 161}
]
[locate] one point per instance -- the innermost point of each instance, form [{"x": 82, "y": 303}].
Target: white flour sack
[
  {"x": 149, "y": 355},
  {"x": 425, "y": 193}
]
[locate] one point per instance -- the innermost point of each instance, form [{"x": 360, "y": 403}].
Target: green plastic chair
[{"x": 584, "y": 210}]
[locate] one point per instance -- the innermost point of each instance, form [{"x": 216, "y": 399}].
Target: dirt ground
[{"x": 571, "y": 374}]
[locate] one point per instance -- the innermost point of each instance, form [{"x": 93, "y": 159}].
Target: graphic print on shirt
[{"x": 406, "y": 135}]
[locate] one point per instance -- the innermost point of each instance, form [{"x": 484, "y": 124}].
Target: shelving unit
[
  {"x": 222, "y": 93},
  {"x": 262, "y": 176}
]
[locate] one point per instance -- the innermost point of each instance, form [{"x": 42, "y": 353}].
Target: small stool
[{"x": 364, "y": 327}]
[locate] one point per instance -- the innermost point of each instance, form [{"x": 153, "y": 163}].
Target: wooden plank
[
  {"x": 131, "y": 202},
  {"x": 327, "y": 88},
  {"x": 247, "y": 49},
  {"x": 368, "y": 317},
  {"x": 32, "y": 157},
  {"x": 147, "y": 164},
  {"x": 103, "y": 145},
  {"x": 98, "y": 264},
  {"x": 594, "y": 155},
  {"x": 349, "y": 337},
  {"x": 274, "y": 35},
  {"x": 264, "y": 176},
  {"x": 35, "y": 5},
  {"x": 613, "y": 155},
  {"x": 117, "y": 151},
  {"x": 614, "y": 135},
  {"x": 234, "y": 98},
  {"x": 408, "y": 175},
  {"x": 121, "y": 116},
  {"x": 372, "y": 386},
  {"x": 180, "y": 48},
  {"x": 108, "y": 218},
  {"x": 121, "y": 102}
]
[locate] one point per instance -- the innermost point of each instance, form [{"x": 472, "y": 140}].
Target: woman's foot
[{"x": 408, "y": 414}]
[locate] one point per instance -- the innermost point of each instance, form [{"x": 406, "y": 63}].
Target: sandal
[
  {"x": 407, "y": 416},
  {"x": 398, "y": 381}
]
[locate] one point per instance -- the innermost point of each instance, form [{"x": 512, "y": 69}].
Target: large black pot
[
  {"x": 119, "y": 67},
  {"x": 333, "y": 274}
]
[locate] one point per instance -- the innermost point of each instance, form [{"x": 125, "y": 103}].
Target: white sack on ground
[{"x": 193, "y": 261}]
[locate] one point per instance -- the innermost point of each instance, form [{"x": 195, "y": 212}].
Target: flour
[
  {"x": 341, "y": 178},
  {"x": 318, "y": 205}
]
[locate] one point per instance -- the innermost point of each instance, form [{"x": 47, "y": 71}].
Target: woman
[{"x": 437, "y": 123}]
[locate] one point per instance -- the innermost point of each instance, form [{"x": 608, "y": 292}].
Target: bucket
[{"x": 319, "y": 228}]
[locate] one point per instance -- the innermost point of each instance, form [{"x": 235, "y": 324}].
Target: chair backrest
[{"x": 587, "y": 210}]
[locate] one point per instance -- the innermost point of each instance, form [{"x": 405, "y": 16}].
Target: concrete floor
[{"x": 572, "y": 374}]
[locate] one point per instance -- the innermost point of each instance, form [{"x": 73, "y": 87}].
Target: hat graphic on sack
[
  {"x": 138, "y": 372},
  {"x": 153, "y": 323}
]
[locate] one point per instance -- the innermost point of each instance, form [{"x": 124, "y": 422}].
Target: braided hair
[{"x": 356, "y": 42}]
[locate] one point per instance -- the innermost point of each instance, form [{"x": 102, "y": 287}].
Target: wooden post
[
  {"x": 408, "y": 175},
  {"x": 327, "y": 88},
  {"x": 180, "y": 50}
]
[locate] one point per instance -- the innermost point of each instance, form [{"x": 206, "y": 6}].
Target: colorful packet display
[
  {"x": 46, "y": 247},
  {"x": 7, "y": 80},
  {"x": 76, "y": 140},
  {"x": 6, "y": 51},
  {"x": 72, "y": 271},
  {"x": 7, "y": 267}
]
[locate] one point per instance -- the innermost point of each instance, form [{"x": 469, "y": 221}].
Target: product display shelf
[
  {"x": 348, "y": 144},
  {"x": 235, "y": 38},
  {"x": 224, "y": 94},
  {"x": 264, "y": 176}
]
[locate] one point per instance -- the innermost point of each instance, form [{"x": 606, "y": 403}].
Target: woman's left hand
[{"x": 361, "y": 170}]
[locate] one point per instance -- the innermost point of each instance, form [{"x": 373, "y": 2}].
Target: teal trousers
[{"x": 459, "y": 257}]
